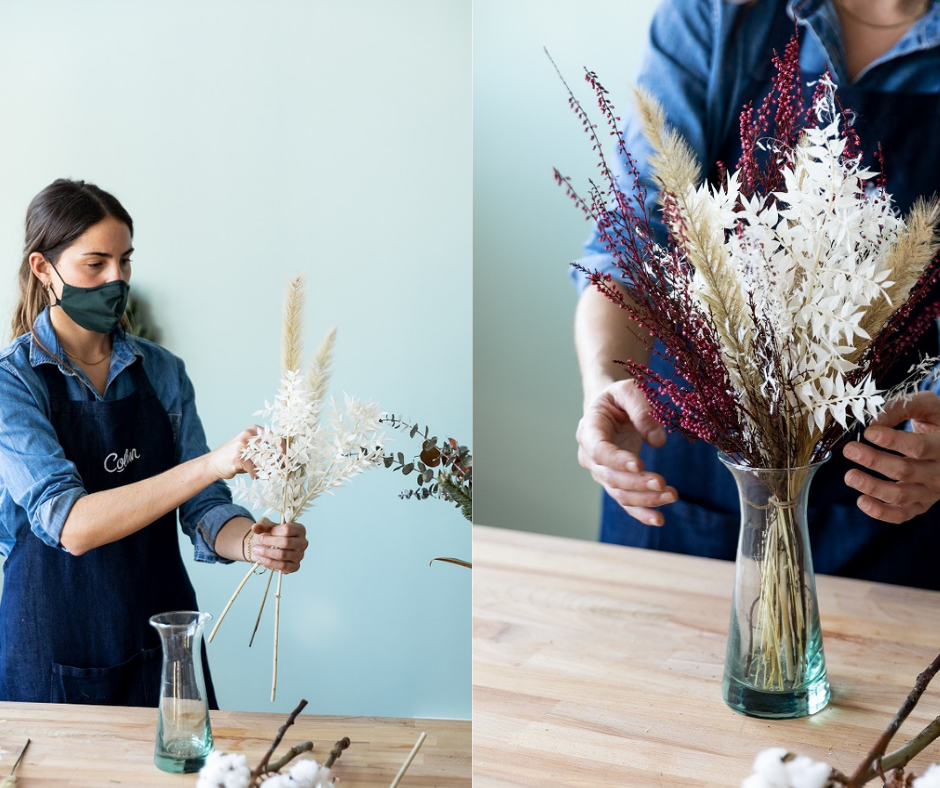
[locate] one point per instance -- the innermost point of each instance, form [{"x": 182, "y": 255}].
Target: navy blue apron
[
  {"x": 845, "y": 541},
  {"x": 75, "y": 629}
]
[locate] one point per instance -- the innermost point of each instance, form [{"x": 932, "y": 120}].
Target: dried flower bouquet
[
  {"x": 785, "y": 292},
  {"x": 304, "y": 450}
]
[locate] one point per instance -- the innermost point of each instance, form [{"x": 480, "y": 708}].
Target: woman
[
  {"x": 100, "y": 444},
  {"x": 705, "y": 60}
]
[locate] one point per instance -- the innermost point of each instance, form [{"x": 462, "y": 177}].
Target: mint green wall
[
  {"x": 250, "y": 140},
  {"x": 525, "y": 232}
]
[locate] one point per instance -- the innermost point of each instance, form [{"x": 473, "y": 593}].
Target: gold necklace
[
  {"x": 880, "y": 26},
  {"x": 89, "y": 363}
]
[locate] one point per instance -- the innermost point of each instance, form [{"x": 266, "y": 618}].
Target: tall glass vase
[
  {"x": 184, "y": 735},
  {"x": 775, "y": 666}
]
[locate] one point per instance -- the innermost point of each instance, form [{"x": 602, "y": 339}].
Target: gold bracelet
[{"x": 246, "y": 546}]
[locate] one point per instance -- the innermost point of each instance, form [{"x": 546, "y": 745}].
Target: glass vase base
[
  {"x": 183, "y": 757},
  {"x": 752, "y": 702}
]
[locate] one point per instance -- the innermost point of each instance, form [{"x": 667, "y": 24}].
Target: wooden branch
[
  {"x": 288, "y": 756},
  {"x": 262, "y": 766},
  {"x": 873, "y": 763},
  {"x": 337, "y": 750}
]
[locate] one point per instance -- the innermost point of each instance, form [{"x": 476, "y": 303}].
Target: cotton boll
[
  {"x": 930, "y": 778},
  {"x": 803, "y": 772},
  {"x": 307, "y": 773},
  {"x": 769, "y": 765},
  {"x": 224, "y": 770},
  {"x": 237, "y": 779}
]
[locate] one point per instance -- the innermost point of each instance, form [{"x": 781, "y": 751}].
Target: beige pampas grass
[
  {"x": 910, "y": 255},
  {"x": 292, "y": 336},
  {"x": 319, "y": 373},
  {"x": 676, "y": 171}
]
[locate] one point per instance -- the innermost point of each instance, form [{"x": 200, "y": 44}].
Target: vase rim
[
  {"x": 179, "y": 618},
  {"x": 732, "y": 464}
]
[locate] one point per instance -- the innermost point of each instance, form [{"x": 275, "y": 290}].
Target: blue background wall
[
  {"x": 525, "y": 233},
  {"x": 249, "y": 141}
]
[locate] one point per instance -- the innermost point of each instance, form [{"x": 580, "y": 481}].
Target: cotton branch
[
  {"x": 876, "y": 762},
  {"x": 263, "y": 765}
]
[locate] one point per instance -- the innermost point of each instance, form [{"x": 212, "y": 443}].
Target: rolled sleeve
[
  {"x": 35, "y": 475},
  {"x": 207, "y": 529}
]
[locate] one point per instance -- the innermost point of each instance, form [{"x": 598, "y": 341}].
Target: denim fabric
[
  {"x": 698, "y": 62},
  {"x": 39, "y": 486}
]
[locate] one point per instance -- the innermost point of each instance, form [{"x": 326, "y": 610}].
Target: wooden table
[
  {"x": 596, "y": 665},
  {"x": 79, "y": 746}
]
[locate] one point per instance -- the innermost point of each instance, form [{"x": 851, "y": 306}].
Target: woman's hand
[
  {"x": 610, "y": 434},
  {"x": 915, "y": 473},
  {"x": 278, "y": 547},
  {"x": 227, "y": 461}
]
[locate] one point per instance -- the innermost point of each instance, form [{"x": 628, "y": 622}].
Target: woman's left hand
[
  {"x": 278, "y": 547},
  {"x": 914, "y": 468}
]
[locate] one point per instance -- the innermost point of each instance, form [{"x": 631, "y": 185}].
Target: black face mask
[{"x": 98, "y": 308}]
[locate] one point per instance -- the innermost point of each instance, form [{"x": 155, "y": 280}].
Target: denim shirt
[
  {"x": 698, "y": 61},
  {"x": 39, "y": 486}
]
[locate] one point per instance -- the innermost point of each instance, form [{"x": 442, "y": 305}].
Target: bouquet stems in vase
[
  {"x": 775, "y": 665},
  {"x": 780, "y": 297}
]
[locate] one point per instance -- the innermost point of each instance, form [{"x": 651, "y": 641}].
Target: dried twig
[
  {"x": 457, "y": 561},
  {"x": 262, "y": 766},
  {"x": 287, "y": 757},
  {"x": 409, "y": 759},
  {"x": 241, "y": 585},
  {"x": 261, "y": 609},
  {"x": 277, "y": 620},
  {"x": 337, "y": 750},
  {"x": 875, "y": 761}
]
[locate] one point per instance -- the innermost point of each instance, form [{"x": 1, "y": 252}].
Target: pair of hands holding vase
[{"x": 618, "y": 420}]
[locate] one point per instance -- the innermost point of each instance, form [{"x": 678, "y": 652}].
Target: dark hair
[{"x": 55, "y": 219}]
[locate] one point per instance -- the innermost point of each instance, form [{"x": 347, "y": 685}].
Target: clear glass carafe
[
  {"x": 775, "y": 666},
  {"x": 184, "y": 736}
]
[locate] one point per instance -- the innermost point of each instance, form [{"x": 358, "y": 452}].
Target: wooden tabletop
[
  {"x": 597, "y": 665},
  {"x": 79, "y": 746}
]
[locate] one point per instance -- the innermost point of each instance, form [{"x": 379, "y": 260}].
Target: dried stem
[
  {"x": 452, "y": 561},
  {"x": 261, "y": 609},
  {"x": 262, "y": 766},
  {"x": 875, "y": 760},
  {"x": 241, "y": 585},
  {"x": 288, "y": 756},
  {"x": 411, "y": 757},
  {"x": 277, "y": 619},
  {"x": 337, "y": 750}
]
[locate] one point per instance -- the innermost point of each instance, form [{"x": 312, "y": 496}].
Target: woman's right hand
[
  {"x": 227, "y": 460},
  {"x": 614, "y": 426}
]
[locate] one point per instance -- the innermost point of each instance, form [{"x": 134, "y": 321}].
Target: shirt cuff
[
  {"x": 52, "y": 514},
  {"x": 207, "y": 531}
]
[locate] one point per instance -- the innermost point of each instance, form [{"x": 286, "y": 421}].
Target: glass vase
[
  {"x": 775, "y": 666},
  {"x": 184, "y": 736}
]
